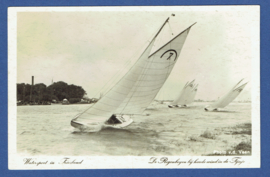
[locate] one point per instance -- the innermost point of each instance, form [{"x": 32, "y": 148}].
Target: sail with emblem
[
  {"x": 157, "y": 69},
  {"x": 136, "y": 90},
  {"x": 186, "y": 95},
  {"x": 229, "y": 97},
  {"x": 192, "y": 95}
]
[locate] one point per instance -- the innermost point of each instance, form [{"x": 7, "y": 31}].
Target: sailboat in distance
[
  {"x": 136, "y": 89},
  {"x": 226, "y": 99},
  {"x": 186, "y": 95}
]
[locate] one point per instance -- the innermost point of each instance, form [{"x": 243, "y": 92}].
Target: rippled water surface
[{"x": 46, "y": 130}]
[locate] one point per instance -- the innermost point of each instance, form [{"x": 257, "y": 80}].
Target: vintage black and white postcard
[{"x": 134, "y": 87}]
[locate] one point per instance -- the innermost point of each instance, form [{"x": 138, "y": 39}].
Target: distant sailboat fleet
[{"x": 135, "y": 91}]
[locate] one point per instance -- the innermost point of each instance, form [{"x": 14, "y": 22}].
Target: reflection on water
[{"x": 46, "y": 130}]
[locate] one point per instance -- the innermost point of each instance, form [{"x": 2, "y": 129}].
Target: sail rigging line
[
  {"x": 142, "y": 77},
  {"x": 187, "y": 94},
  {"x": 141, "y": 54},
  {"x": 131, "y": 98},
  {"x": 168, "y": 70},
  {"x": 168, "y": 67},
  {"x": 161, "y": 38},
  {"x": 132, "y": 67},
  {"x": 229, "y": 97},
  {"x": 172, "y": 39},
  {"x": 142, "y": 101},
  {"x": 138, "y": 103},
  {"x": 240, "y": 87},
  {"x": 230, "y": 90},
  {"x": 137, "y": 86},
  {"x": 151, "y": 59},
  {"x": 144, "y": 69},
  {"x": 170, "y": 28},
  {"x": 123, "y": 76},
  {"x": 119, "y": 72},
  {"x": 186, "y": 84},
  {"x": 135, "y": 91}
]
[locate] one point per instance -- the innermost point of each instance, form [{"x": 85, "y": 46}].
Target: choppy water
[{"x": 46, "y": 130}]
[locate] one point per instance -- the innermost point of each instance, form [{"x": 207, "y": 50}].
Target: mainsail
[
  {"x": 186, "y": 95},
  {"x": 229, "y": 97},
  {"x": 137, "y": 89},
  {"x": 156, "y": 70},
  {"x": 192, "y": 95}
]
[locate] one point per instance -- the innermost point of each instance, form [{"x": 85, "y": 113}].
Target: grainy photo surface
[{"x": 134, "y": 87}]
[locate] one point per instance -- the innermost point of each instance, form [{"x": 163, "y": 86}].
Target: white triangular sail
[
  {"x": 192, "y": 95},
  {"x": 178, "y": 98},
  {"x": 107, "y": 105},
  {"x": 229, "y": 97},
  {"x": 155, "y": 72},
  {"x": 187, "y": 94},
  {"x": 137, "y": 89},
  {"x": 185, "y": 98}
]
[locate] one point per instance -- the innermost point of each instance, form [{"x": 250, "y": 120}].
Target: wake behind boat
[{"x": 137, "y": 88}]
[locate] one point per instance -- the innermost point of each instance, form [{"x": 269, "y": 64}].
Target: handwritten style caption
[
  {"x": 167, "y": 162},
  {"x": 32, "y": 161}
]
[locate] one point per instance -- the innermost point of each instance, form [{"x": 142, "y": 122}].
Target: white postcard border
[{"x": 16, "y": 161}]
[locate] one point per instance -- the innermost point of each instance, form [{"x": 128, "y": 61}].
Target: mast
[
  {"x": 167, "y": 20},
  {"x": 150, "y": 43},
  {"x": 155, "y": 72},
  {"x": 155, "y": 35},
  {"x": 171, "y": 39},
  {"x": 136, "y": 89}
]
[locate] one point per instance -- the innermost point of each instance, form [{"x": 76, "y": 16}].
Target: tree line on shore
[{"x": 56, "y": 91}]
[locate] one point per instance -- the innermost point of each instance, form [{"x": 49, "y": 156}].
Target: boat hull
[
  {"x": 119, "y": 126},
  {"x": 177, "y": 106},
  {"x": 75, "y": 124},
  {"x": 95, "y": 127},
  {"x": 209, "y": 108}
]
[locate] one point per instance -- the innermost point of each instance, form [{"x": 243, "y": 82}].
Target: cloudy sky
[{"x": 94, "y": 47}]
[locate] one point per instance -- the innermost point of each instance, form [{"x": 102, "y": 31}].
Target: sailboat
[
  {"x": 186, "y": 96},
  {"x": 226, "y": 99},
  {"x": 136, "y": 89}
]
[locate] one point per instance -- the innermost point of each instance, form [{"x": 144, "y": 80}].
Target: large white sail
[
  {"x": 106, "y": 106},
  {"x": 137, "y": 89},
  {"x": 155, "y": 72},
  {"x": 229, "y": 97}
]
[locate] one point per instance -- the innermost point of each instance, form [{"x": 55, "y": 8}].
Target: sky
[{"x": 94, "y": 47}]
